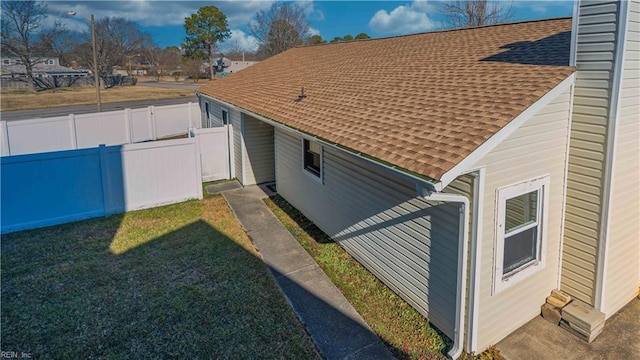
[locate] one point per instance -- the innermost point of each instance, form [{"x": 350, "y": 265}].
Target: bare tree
[
  {"x": 116, "y": 37},
  {"x": 193, "y": 67},
  {"x": 282, "y": 27},
  {"x": 23, "y": 36},
  {"x": 162, "y": 61},
  {"x": 461, "y": 14}
]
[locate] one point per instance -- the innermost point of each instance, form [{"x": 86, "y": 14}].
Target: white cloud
[
  {"x": 310, "y": 10},
  {"x": 539, "y": 9},
  {"x": 157, "y": 13},
  {"x": 313, "y": 31},
  {"x": 404, "y": 19},
  {"x": 239, "y": 40}
]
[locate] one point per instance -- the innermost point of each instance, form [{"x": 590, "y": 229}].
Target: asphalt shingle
[{"x": 420, "y": 102}]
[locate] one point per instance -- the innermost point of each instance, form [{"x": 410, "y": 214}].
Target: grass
[
  {"x": 12, "y": 99},
  {"x": 406, "y": 332},
  {"x": 181, "y": 280}
]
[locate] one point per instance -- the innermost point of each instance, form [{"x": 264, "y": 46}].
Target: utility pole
[{"x": 96, "y": 76}]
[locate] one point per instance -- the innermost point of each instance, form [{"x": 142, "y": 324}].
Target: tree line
[
  {"x": 119, "y": 41},
  {"x": 285, "y": 25}
]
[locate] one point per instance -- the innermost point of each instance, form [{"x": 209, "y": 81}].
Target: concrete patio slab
[
  {"x": 539, "y": 339},
  {"x": 336, "y": 328},
  {"x": 224, "y": 186}
]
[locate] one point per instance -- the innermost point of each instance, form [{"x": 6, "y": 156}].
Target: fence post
[
  {"x": 152, "y": 119},
  {"x": 74, "y": 132},
  {"x": 104, "y": 171},
  {"x": 198, "y": 156},
  {"x": 190, "y": 119},
  {"x": 127, "y": 121},
  {"x": 5, "y": 139}
]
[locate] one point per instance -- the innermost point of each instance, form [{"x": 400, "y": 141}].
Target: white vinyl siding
[
  {"x": 595, "y": 58},
  {"x": 622, "y": 278},
  {"x": 405, "y": 241},
  {"x": 258, "y": 157},
  {"x": 537, "y": 148}
]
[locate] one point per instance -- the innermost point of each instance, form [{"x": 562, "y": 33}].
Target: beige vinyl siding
[
  {"x": 405, "y": 241},
  {"x": 464, "y": 185},
  {"x": 622, "y": 272},
  {"x": 595, "y": 57},
  {"x": 258, "y": 155},
  {"x": 536, "y": 149}
]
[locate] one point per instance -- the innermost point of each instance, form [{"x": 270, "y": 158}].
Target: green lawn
[
  {"x": 406, "y": 332},
  {"x": 176, "y": 281}
]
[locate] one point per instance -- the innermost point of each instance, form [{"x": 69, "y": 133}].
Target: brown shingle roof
[{"x": 421, "y": 102}]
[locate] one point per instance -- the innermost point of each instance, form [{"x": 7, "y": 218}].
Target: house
[
  {"x": 230, "y": 64},
  {"x": 47, "y": 67},
  {"x": 461, "y": 182},
  {"x": 239, "y": 62}
]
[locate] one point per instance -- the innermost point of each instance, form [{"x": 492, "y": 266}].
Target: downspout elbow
[{"x": 456, "y": 349}]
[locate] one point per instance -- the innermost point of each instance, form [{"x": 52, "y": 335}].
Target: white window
[
  {"x": 6, "y": 62},
  {"x": 49, "y": 62},
  {"x": 520, "y": 231},
  {"x": 312, "y": 158}
]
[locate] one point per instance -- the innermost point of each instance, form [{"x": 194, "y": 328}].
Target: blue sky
[{"x": 164, "y": 19}]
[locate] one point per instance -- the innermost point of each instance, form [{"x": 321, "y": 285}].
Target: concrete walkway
[
  {"x": 337, "y": 330},
  {"x": 539, "y": 339}
]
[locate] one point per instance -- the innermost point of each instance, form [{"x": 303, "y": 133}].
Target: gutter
[
  {"x": 437, "y": 186},
  {"x": 458, "y": 338}
]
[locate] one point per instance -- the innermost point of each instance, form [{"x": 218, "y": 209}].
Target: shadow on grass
[
  {"x": 193, "y": 291},
  {"x": 403, "y": 330}
]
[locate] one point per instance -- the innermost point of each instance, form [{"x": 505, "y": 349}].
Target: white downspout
[{"x": 458, "y": 338}]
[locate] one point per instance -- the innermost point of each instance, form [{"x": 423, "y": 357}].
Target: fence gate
[{"x": 214, "y": 152}]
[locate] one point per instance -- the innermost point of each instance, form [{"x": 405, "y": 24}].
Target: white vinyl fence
[
  {"x": 214, "y": 151},
  {"x": 90, "y": 130},
  {"x": 57, "y": 187}
]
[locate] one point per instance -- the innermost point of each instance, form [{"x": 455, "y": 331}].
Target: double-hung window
[
  {"x": 520, "y": 231},
  {"x": 312, "y": 158}
]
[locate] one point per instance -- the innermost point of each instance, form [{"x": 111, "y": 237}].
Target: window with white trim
[
  {"x": 520, "y": 231},
  {"x": 312, "y": 158},
  {"x": 50, "y": 62}
]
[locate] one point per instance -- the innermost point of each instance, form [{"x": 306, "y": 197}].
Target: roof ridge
[{"x": 437, "y": 31}]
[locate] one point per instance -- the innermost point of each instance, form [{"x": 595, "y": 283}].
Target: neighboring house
[
  {"x": 237, "y": 63},
  {"x": 232, "y": 64},
  {"x": 48, "y": 67},
  {"x": 457, "y": 180}
]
